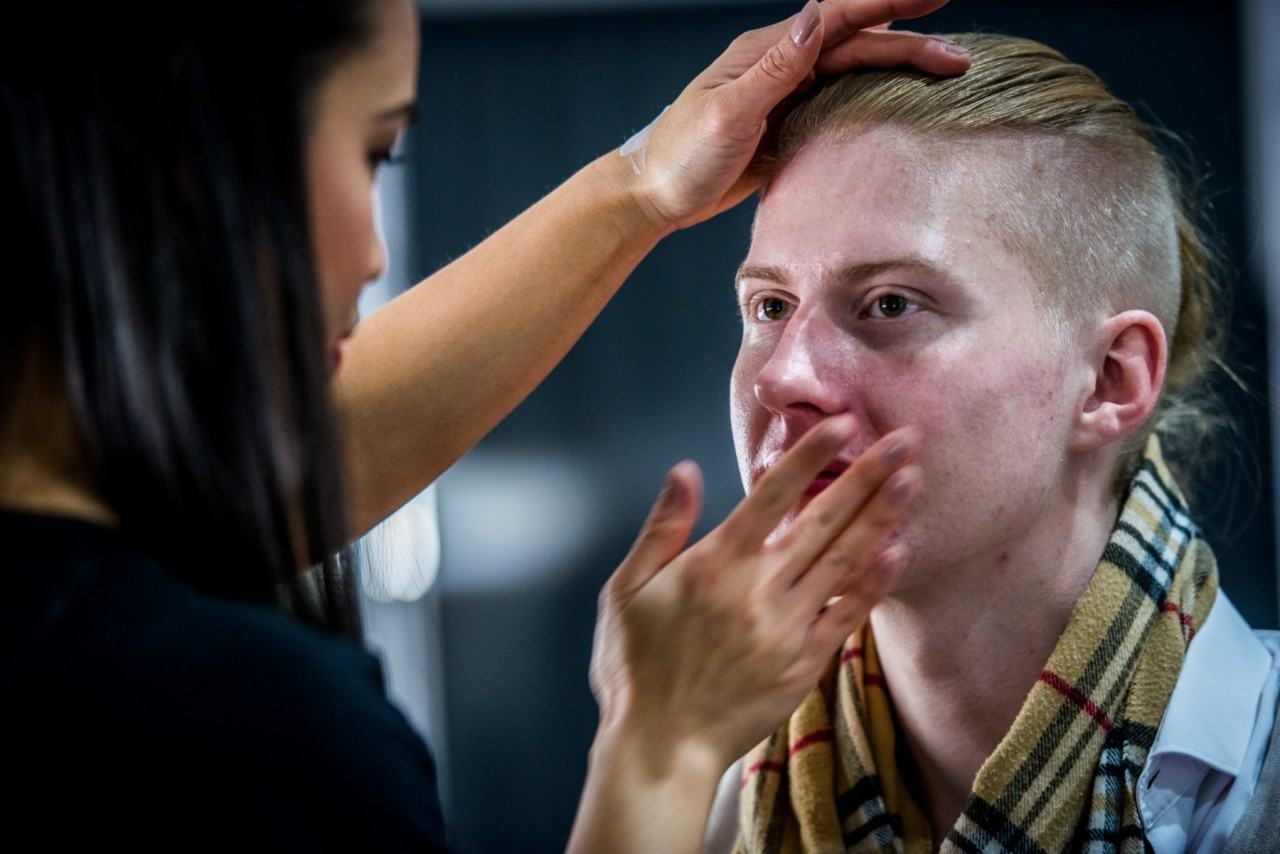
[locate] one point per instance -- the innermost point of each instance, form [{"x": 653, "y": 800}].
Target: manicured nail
[
  {"x": 673, "y": 488},
  {"x": 899, "y": 445},
  {"x": 837, "y": 429},
  {"x": 806, "y": 22},
  {"x": 898, "y": 490},
  {"x": 895, "y": 452},
  {"x": 887, "y": 565}
]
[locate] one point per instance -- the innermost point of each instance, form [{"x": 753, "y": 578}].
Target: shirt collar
[{"x": 1212, "y": 712}]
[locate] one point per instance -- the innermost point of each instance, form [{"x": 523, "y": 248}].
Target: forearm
[{"x": 431, "y": 373}]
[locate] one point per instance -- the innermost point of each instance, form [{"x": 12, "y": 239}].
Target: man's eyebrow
[
  {"x": 848, "y": 273},
  {"x": 764, "y": 274}
]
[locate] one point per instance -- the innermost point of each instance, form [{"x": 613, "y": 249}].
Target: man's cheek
[
  {"x": 739, "y": 420},
  {"x": 743, "y": 405}
]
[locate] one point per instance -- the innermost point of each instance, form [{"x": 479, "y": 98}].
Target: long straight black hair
[{"x": 161, "y": 259}]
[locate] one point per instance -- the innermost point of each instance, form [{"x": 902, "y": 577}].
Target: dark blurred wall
[{"x": 512, "y": 106}]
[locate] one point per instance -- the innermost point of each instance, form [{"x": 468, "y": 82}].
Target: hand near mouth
[{"x": 701, "y": 652}]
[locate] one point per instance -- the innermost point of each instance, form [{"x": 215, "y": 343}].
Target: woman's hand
[
  {"x": 719, "y": 643},
  {"x": 701, "y": 653},
  {"x": 698, "y": 156}
]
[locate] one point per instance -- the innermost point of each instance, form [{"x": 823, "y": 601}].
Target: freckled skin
[{"x": 968, "y": 362}]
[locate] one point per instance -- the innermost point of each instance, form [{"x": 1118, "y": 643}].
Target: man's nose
[{"x": 807, "y": 373}]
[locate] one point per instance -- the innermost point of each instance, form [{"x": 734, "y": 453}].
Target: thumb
[
  {"x": 783, "y": 66},
  {"x": 665, "y": 532}
]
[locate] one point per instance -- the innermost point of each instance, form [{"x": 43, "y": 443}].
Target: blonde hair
[{"x": 1101, "y": 214}]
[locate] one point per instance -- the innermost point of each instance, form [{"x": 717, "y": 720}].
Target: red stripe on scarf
[
  {"x": 1185, "y": 619},
  {"x": 822, "y": 736},
  {"x": 762, "y": 765},
  {"x": 850, "y": 654},
  {"x": 1065, "y": 688}
]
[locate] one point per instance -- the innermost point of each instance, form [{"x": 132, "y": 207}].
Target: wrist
[
  {"x": 657, "y": 754},
  {"x": 627, "y": 190},
  {"x": 645, "y": 792}
]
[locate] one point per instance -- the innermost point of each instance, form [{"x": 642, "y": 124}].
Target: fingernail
[
  {"x": 940, "y": 39},
  {"x": 806, "y": 22},
  {"x": 887, "y": 565},
  {"x": 670, "y": 486},
  {"x": 837, "y": 429},
  {"x": 895, "y": 452},
  {"x": 898, "y": 490},
  {"x": 955, "y": 50}
]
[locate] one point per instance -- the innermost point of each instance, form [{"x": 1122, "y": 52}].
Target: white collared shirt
[{"x": 1205, "y": 762}]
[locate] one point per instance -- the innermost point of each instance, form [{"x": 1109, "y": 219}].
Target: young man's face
[{"x": 877, "y": 285}]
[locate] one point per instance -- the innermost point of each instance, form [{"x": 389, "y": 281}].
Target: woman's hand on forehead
[{"x": 699, "y": 157}]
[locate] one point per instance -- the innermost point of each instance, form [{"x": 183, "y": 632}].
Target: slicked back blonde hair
[{"x": 1094, "y": 207}]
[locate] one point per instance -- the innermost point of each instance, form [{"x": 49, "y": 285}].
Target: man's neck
[{"x": 960, "y": 654}]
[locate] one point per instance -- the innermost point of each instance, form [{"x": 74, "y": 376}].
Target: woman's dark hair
[{"x": 160, "y": 257}]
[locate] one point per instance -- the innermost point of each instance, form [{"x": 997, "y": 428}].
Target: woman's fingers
[
  {"x": 784, "y": 64},
  {"x": 855, "y": 36},
  {"x": 865, "y": 589},
  {"x": 891, "y": 49},
  {"x": 665, "y": 532},
  {"x": 843, "y": 18},
  {"x": 845, "y": 44},
  {"x": 852, "y": 551},
  {"x": 841, "y": 504},
  {"x": 731, "y": 634},
  {"x": 779, "y": 489},
  {"x": 699, "y": 155}
]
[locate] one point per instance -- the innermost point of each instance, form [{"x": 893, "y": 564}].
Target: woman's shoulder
[
  {"x": 82, "y": 598},
  {"x": 115, "y": 664}
]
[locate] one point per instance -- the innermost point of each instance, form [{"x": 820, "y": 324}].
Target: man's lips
[
  {"x": 825, "y": 478},
  {"x": 821, "y": 480}
]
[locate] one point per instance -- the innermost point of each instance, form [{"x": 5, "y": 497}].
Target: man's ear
[{"x": 1128, "y": 373}]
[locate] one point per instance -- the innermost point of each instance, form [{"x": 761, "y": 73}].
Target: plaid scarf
[{"x": 1065, "y": 775}]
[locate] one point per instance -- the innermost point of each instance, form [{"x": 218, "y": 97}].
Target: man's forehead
[
  {"x": 831, "y": 167},
  {"x": 887, "y": 196},
  {"x": 848, "y": 205}
]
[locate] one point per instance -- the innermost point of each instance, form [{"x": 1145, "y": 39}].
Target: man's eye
[
  {"x": 772, "y": 308},
  {"x": 891, "y": 305}
]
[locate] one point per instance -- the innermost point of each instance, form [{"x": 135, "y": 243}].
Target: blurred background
[{"x": 481, "y": 594}]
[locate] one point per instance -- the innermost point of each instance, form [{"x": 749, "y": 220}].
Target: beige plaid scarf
[{"x": 1064, "y": 777}]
